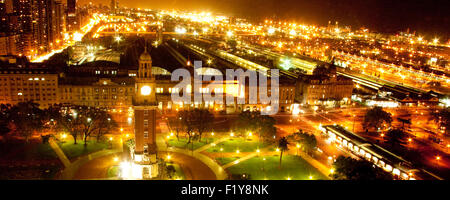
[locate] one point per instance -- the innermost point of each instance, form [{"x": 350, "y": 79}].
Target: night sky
[{"x": 429, "y": 17}]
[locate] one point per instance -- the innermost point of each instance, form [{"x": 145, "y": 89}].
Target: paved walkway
[
  {"x": 220, "y": 173},
  {"x": 59, "y": 152},
  {"x": 97, "y": 168},
  {"x": 192, "y": 168},
  {"x": 315, "y": 163},
  {"x": 244, "y": 158},
  {"x": 70, "y": 171},
  {"x": 204, "y": 147}
]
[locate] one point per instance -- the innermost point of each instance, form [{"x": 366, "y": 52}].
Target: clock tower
[{"x": 145, "y": 105}]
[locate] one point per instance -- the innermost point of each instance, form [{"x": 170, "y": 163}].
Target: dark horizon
[{"x": 427, "y": 17}]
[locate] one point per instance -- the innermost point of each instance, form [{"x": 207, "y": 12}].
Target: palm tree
[{"x": 283, "y": 146}]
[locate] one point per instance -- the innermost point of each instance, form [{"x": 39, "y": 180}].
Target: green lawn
[
  {"x": 75, "y": 150},
  {"x": 113, "y": 171},
  {"x": 234, "y": 144},
  {"x": 182, "y": 143},
  {"x": 293, "y": 167},
  {"x": 226, "y": 160}
]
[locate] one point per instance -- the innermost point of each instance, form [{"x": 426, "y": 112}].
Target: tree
[
  {"x": 199, "y": 120},
  {"x": 51, "y": 120},
  {"x": 375, "y": 118},
  {"x": 395, "y": 137},
  {"x": 4, "y": 119},
  {"x": 347, "y": 168},
  {"x": 264, "y": 125},
  {"x": 282, "y": 146},
  {"x": 175, "y": 124},
  {"x": 94, "y": 120},
  {"x": 203, "y": 121},
  {"x": 307, "y": 141},
  {"x": 442, "y": 118},
  {"x": 70, "y": 123},
  {"x": 103, "y": 123},
  {"x": 27, "y": 118},
  {"x": 85, "y": 121},
  {"x": 187, "y": 122}
]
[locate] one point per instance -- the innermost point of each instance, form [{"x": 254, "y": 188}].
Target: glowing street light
[
  {"x": 435, "y": 40},
  {"x": 116, "y": 159},
  {"x": 118, "y": 38},
  {"x": 77, "y": 37},
  {"x": 230, "y": 34}
]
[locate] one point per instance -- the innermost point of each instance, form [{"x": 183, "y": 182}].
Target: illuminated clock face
[{"x": 146, "y": 90}]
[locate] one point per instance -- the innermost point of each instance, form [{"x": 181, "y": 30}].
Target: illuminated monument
[{"x": 145, "y": 105}]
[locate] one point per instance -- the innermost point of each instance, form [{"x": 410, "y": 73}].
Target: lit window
[{"x": 145, "y": 134}]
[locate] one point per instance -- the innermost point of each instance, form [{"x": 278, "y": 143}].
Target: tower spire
[{"x": 145, "y": 45}]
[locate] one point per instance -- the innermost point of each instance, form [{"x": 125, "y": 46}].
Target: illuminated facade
[
  {"x": 145, "y": 108},
  {"x": 318, "y": 90},
  {"x": 104, "y": 93},
  {"x": 20, "y": 85}
]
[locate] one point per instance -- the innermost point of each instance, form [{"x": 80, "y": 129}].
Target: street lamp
[
  {"x": 297, "y": 146},
  {"x": 63, "y": 136},
  {"x": 264, "y": 171},
  {"x": 118, "y": 39},
  {"x": 111, "y": 139}
]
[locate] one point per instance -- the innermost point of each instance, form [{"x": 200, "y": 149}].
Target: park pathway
[
  {"x": 219, "y": 172},
  {"x": 246, "y": 157},
  {"x": 73, "y": 169},
  {"x": 207, "y": 146},
  {"x": 315, "y": 163},
  {"x": 59, "y": 152}
]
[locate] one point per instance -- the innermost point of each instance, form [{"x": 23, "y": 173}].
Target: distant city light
[{"x": 77, "y": 37}]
